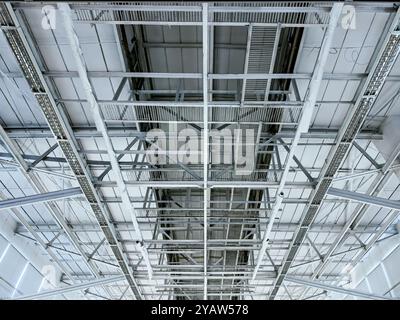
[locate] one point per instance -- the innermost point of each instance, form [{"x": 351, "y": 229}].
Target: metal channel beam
[
  {"x": 39, "y": 187},
  {"x": 39, "y": 239},
  {"x": 71, "y": 288},
  {"x": 219, "y": 223},
  {"x": 381, "y": 67},
  {"x": 304, "y": 123},
  {"x": 366, "y": 155},
  {"x": 212, "y": 184},
  {"x": 41, "y": 132},
  {"x": 283, "y": 8},
  {"x": 319, "y": 285},
  {"x": 364, "y": 198},
  {"x": 381, "y": 179},
  {"x": 38, "y": 198},
  {"x": 63, "y": 134},
  {"x": 43, "y": 156},
  {"x": 206, "y": 189},
  {"x": 211, "y": 76},
  {"x": 297, "y": 161},
  {"x": 90, "y": 96}
]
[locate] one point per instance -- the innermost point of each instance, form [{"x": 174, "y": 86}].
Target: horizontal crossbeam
[{"x": 38, "y": 198}]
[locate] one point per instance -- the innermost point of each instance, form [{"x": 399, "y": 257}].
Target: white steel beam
[
  {"x": 40, "y": 188},
  {"x": 381, "y": 64},
  {"x": 38, "y": 198},
  {"x": 390, "y": 148},
  {"x": 16, "y": 212},
  {"x": 364, "y": 198},
  {"x": 205, "y": 144},
  {"x": 211, "y": 76},
  {"x": 71, "y": 288},
  {"x": 319, "y": 285},
  {"x": 62, "y": 133},
  {"x": 304, "y": 123},
  {"x": 211, "y": 184},
  {"x": 100, "y": 125},
  {"x": 42, "y": 132},
  {"x": 310, "y": 8}
]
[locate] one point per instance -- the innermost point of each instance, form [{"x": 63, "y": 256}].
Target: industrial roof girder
[
  {"x": 37, "y": 132},
  {"x": 263, "y": 7},
  {"x": 40, "y": 188},
  {"x": 187, "y": 247},
  {"x": 127, "y": 165},
  {"x": 205, "y": 147},
  {"x": 380, "y": 180},
  {"x": 63, "y": 135},
  {"x": 36, "y": 237},
  {"x": 364, "y": 198},
  {"x": 324, "y": 286},
  {"x": 213, "y": 76},
  {"x": 124, "y": 226},
  {"x": 97, "y": 116},
  {"x": 304, "y": 122},
  {"x": 212, "y": 184},
  {"x": 54, "y": 195},
  {"x": 198, "y": 8},
  {"x": 150, "y": 209},
  {"x": 38, "y": 198},
  {"x": 352, "y": 124},
  {"x": 71, "y": 288},
  {"x": 42, "y": 156}
]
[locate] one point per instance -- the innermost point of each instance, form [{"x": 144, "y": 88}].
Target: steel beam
[
  {"x": 364, "y": 198},
  {"x": 212, "y": 184},
  {"x": 323, "y": 286},
  {"x": 304, "y": 122},
  {"x": 100, "y": 125},
  {"x": 297, "y": 161},
  {"x": 62, "y": 133},
  {"x": 366, "y": 155},
  {"x": 39, "y": 198},
  {"x": 42, "y": 156},
  {"x": 381, "y": 65},
  {"x": 390, "y": 148},
  {"x": 39, "y": 239},
  {"x": 40, "y": 188},
  {"x": 220, "y": 221},
  {"x": 213, "y": 76},
  {"x": 206, "y": 189},
  {"x": 71, "y": 288},
  {"x": 38, "y": 132},
  {"x": 265, "y": 8},
  {"x": 120, "y": 156}
]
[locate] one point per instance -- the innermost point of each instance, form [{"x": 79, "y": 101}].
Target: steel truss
[
  {"x": 62, "y": 134},
  {"x": 214, "y": 234}
]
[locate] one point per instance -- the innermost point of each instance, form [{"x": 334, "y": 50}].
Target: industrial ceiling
[{"x": 310, "y": 88}]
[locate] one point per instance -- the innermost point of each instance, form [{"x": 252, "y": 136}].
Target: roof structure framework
[{"x": 189, "y": 150}]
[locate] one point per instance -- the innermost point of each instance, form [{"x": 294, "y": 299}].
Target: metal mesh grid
[{"x": 259, "y": 60}]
